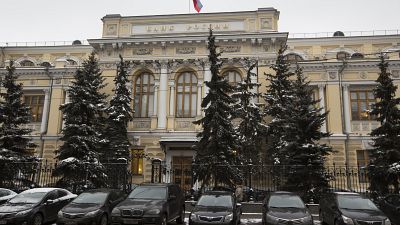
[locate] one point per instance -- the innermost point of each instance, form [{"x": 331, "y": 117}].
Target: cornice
[
  {"x": 42, "y": 72},
  {"x": 344, "y": 40}
]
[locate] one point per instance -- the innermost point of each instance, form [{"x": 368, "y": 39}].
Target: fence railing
[
  {"x": 257, "y": 179},
  {"x": 43, "y": 43},
  {"x": 346, "y": 34}
]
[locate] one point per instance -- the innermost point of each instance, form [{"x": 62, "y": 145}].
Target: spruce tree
[
  {"x": 278, "y": 96},
  {"x": 250, "y": 128},
  {"x": 78, "y": 156},
  {"x": 384, "y": 169},
  {"x": 14, "y": 138},
  {"x": 215, "y": 159},
  {"x": 306, "y": 156},
  {"x": 120, "y": 113}
]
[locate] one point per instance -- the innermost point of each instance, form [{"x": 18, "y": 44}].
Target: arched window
[
  {"x": 72, "y": 62},
  {"x": 45, "y": 64},
  {"x": 144, "y": 95},
  {"x": 292, "y": 57},
  {"x": 27, "y": 63},
  {"x": 233, "y": 77},
  {"x": 186, "y": 95},
  {"x": 357, "y": 55}
]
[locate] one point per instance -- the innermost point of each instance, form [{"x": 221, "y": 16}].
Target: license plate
[
  {"x": 3, "y": 222},
  {"x": 131, "y": 221}
]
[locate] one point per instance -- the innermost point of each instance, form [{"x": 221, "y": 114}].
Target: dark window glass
[
  {"x": 4, "y": 193},
  {"x": 216, "y": 200},
  {"x": 144, "y": 192},
  {"x": 361, "y": 104},
  {"x": 28, "y": 197},
  {"x": 186, "y": 95},
  {"x": 35, "y": 102},
  {"x": 93, "y": 198},
  {"x": 285, "y": 201},
  {"x": 355, "y": 202},
  {"x": 144, "y": 95}
]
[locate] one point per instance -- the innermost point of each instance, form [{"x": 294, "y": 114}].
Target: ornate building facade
[{"x": 169, "y": 64}]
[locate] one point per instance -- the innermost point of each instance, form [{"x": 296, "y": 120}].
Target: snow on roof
[
  {"x": 34, "y": 190},
  {"x": 346, "y": 193}
]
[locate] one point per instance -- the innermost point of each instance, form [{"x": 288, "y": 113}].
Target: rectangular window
[
  {"x": 35, "y": 102},
  {"x": 362, "y": 161},
  {"x": 361, "y": 103},
  {"x": 137, "y": 161}
]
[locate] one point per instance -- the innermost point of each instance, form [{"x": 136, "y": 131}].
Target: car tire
[
  {"x": 104, "y": 220},
  {"x": 181, "y": 218},
  {"x": 37, "y": 219}
]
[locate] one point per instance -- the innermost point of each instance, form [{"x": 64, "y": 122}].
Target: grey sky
[{"x": 59, "y": 20}]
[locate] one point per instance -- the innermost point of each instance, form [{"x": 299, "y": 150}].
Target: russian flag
[{"x": 197, "y": 5}]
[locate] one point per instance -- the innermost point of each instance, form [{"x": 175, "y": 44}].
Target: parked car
[
  {"x": 151, "y": 203},
  {"x": 5, "y": 195},
  {"x": 216, "y": 207},
  {"x": 35, "y": 206},
  {"x": 348, "y": 208},
  {"x": 390, "y": 205},
  {"x": 90, "y": 207},
  {"x": 285, "y": 208}
]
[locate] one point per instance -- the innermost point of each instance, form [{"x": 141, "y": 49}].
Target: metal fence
[{"x": 257, "y": 178}]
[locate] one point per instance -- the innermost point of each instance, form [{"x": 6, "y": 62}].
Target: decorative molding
[
  {"x": 142, "y": 51},
  {"x": 111, "y": 29},
  {"x": 396, "y": 73},
  {"x": 186, "y": 50},
  {"x": 266, "y": 23},
  {"x": 363, "y": 75},
  {"x": 230, "y": 49}
]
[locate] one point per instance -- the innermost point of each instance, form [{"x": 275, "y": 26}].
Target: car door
[
  {"x": 61, "y": 201},
  {"x": 48, "y": 207},
  {"x": 329, "y": 209},
  {"x": 173, "y": 200}
]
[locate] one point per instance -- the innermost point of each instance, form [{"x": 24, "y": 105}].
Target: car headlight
[
  {"x": 153, "y": 211},
  {"x": 387, "y": 222},
  {"x": 193, "y": 217},
  {"x": 347, "y": 220},
  {"x": 271, "y": 219},
  {"x": 23, "y": 213},
  {"x": 60, "y": 214},
  {"x": 115, "y": 212},
  {"x": 93, "y": 213},
  {"x": 307, "y": 219},
  {"x": 229, "y": 217}
]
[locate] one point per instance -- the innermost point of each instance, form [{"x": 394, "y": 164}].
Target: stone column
[
  {"x": 162, "y": 106},
  {"x": 65, "y": 101},
  {"x": 199, "y": 85},
  {"x": 45, "y": 115},
  {"x": 321, "y": 88},
  {"x": 172, "y": 98},
  {"x": 254, "y": 81},
  {"x": 207, "y": 77},
  {"x": 155, "y": 102},
  {"x": 346, "y": 108}
]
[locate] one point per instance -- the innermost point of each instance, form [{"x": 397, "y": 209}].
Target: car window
[
  {"x": 91, "y": 198},
  {"x": 28, "y": 197},
  {"x": 216, "y": 201},
  {"x": 355, "y": 202},
  {"x": 51, "y": 196},
  {"x": 394, "y": 200},
  {"x": 285, "y": 201},
  {"x": 4, "y": 193},
  {"x": 146, "y": 192},
  {"x": 61, "y": 193}
]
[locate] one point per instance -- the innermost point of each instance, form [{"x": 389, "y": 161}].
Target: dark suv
[{"x": 151, "y": 204}]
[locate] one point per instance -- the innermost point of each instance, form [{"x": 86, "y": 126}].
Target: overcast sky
[{"x": 65, "y": 20}]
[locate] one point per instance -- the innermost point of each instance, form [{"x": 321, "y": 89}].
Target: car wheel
[
  {"x": 181, "y": 218},
  {"x": 104, "y": 220},
  {"x": 37, "y": 219}
]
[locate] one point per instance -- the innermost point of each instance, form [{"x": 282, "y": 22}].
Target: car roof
[
  {"x": 217, "y": 193},
  {"x": 346, "y": 193},
  {"x": 5, "y": 189},
  {"x": 283, "y": 193},
  {"x": 101, "y": 190},
  {"x": 156, "y": 184}
]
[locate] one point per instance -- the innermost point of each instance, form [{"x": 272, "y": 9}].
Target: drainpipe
[{"x": 47, "y": 72}]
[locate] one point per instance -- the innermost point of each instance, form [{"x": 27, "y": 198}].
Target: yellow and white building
[{"x": 169, "y": 64}]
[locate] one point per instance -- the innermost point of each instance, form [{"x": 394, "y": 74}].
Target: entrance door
[{"x": 182, "y": 172}]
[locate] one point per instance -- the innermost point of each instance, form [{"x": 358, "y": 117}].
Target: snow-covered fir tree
[
  {"x": 119, "y": 114},
  {"x": 215, "y": 151},
  {"x": 250, "y": 128},
  {"x": 78, "y": 156},
  {"x": 278, "y": 96},
  {"x": 306, "y": 156},
  {"x": 385, "y": 167},
  {"x": 14, "y": 138}
]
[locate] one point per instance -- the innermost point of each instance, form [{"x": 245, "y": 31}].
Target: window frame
[
  {"x": 237, "y": 74},
  {"x": 137, "y": 162},
  {"x": 297, "y": 58},
  {"x": 34, "y": 108},
  {"x": 359, "y": 102},
  {"x": 192, "y": 91},
  {"x": 150, "y": 93}
]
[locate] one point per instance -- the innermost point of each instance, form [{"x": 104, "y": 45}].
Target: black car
[
  {"x": 285, "y": 208},
  {"x": 5, "y": 195},
  {"x": 151, "y": 203},
  {"x": 35, "y": 206},
  {"x": 390, "y": 205},
  {"x": 216, "y": 207},
  {"x": 348, "y": 208},
  {"x": 90, "y": 207}
]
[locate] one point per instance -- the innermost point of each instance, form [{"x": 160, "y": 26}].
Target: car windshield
[
  {"x": 285, "y": 201},
  {"x": 28, "y": 198},
  {"x": 91, "y": 198},
  {"x": 4, "y": 193},
  {"x": 215, "y": 200},
  {"x": 143, "y": 192},
  {"x": 355, "y": 202}
]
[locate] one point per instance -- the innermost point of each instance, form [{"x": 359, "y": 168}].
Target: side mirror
[
  {"x": 238, "y": 205},
  {"x": 49, "y": 202}
]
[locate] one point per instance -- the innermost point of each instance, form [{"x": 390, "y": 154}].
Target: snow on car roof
[
  {"x": 40, "y": 190},
  {"x": 346, "y": 193}
]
